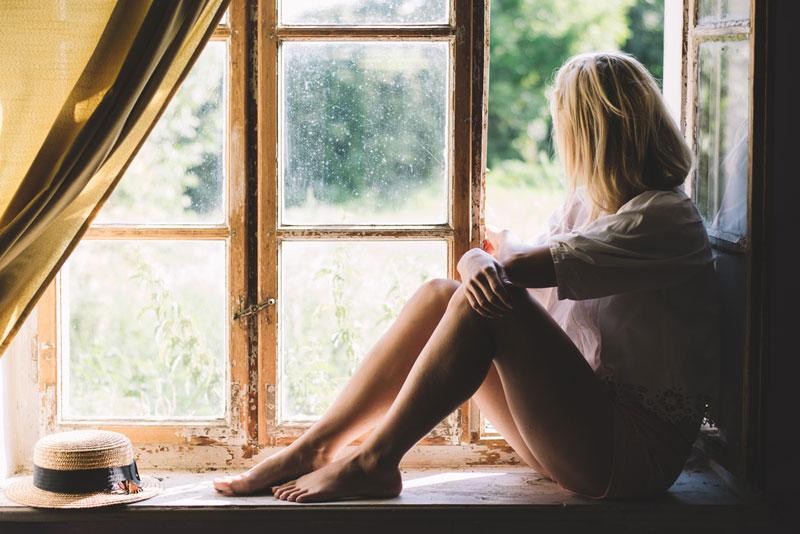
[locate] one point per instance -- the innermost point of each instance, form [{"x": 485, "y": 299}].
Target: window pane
[
  {"x": 364, "y": 132},
  {"x": 366, "y": 12},
  {"x": 723, "y": 137},
  {"x": 721, "y": 10},
  {"x": 336, "y": 300},
  {"x": 145, "y": 323},
  {"x": 177, "y": 176}
]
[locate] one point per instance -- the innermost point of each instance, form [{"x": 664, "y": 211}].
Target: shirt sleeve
[{"x": 655, "y": 241}]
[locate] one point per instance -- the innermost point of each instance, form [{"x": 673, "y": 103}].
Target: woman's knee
[
  {"x": 440, "y": 290},
  {"x": 525, "y": 309}
]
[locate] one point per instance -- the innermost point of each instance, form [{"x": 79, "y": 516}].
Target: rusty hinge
[{"x": 253, "y": 309}]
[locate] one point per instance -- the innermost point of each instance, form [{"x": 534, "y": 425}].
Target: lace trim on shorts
[{"x": 673, "y": 404}]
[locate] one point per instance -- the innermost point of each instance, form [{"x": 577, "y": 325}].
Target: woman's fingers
[
  {"x": 489, "y": 281},
  {"x": 476, "y": 305},
  {"x": 484, "y": 295},
  {"x": 496, "y": 283}
]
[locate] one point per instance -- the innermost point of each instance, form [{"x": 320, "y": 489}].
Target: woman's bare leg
[
  {"x": 491, "y": 400},
  {"x": 558, "y": 405},
  {"x": 365, "y": 398}
]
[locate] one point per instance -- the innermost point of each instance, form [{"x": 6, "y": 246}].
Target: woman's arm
[{"x": 523, "y": 265}]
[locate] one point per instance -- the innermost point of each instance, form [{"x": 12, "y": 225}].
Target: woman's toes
[
  {"x": 223, "y": 485},
  {"x": 293, "y": 495},
  {"x": 240, "y": 484},
  {"x": 283, "y": 491}
]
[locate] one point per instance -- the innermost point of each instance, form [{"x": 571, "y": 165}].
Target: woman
[{"x": 589, "y": 350}]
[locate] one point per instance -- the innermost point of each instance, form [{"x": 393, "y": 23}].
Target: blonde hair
[{"x": 612, "y": 130}]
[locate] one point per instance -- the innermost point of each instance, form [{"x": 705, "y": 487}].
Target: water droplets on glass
[
  {"x": 363, "y": 132},
  {"x": 178, "y": 175}
]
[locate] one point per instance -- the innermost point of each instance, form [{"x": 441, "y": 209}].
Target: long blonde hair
[{"x": 612, "y": 130}]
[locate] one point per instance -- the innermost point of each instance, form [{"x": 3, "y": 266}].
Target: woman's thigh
[
  {"x": 491, "y": 400},
  {"x": 560, "y": 408}
]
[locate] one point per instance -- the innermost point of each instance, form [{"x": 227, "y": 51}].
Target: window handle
[{"x": 253, "y": 309}]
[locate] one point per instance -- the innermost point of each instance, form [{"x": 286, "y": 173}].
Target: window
[
  {"x": 136, "y": 333},
  {"x": 364, "y": 186},
  {"x": 724, "y": 50},
  {"x": 718, "y": 119},
  {"x": 235, "y": 277}
]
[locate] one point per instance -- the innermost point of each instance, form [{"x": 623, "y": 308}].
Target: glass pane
[
  {"x": 723, "y": 10},
  {"x": 145, "y": 327},
  {"x": 333, "y": 308},
  {"x": 365, "y": 12},
  {"x": 364, "y": 132},
  {"x": 723, "y": 137},
  {"x": 177, "y": 176}
]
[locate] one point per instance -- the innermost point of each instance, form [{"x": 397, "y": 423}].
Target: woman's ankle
[
  {"x": 371, "y": 458},
  {"x": 317, "y": 453}
]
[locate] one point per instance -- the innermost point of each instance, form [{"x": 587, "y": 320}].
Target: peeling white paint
[{"x": 219, "y": 456}]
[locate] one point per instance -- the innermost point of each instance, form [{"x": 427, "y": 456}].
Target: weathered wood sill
[{"x": 501, "y": 500}]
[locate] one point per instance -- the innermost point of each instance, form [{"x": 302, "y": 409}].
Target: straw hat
[{"x": 83, "y": 469}]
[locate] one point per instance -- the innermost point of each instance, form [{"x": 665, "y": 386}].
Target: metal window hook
[{"x": 254, "y": 309}]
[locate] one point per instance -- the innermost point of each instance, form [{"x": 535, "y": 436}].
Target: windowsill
[{"x": 486, "y": 494}]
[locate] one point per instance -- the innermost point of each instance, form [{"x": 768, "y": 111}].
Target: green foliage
[
  {"x": 363, "y": 121},
  {"x": 178, "y": 173},
  {"x": 646, "y": 39},
  {"x": 140, "y": 350}
]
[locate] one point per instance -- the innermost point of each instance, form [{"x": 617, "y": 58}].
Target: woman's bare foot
[
  {"x": 349, "y": 478},
  {"x": 284, "y": 465}
]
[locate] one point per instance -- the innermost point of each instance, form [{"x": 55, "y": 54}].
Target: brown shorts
[{"x": 649, "y": 452}]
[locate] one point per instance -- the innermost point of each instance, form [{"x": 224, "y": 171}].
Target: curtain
[{"x": 82, "y": 82}]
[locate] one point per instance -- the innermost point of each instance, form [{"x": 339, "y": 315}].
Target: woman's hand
[{"x": 484, "y": 282}]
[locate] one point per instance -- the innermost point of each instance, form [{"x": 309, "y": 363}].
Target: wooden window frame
[
  {"x": 696, "y": 35},
  {"x": 465, "y": 32},
  {"x": 252, "y": 235}
]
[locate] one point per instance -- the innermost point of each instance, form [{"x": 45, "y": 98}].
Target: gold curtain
[{"x": 82, "y": 82}]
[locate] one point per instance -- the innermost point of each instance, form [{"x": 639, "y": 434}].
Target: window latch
[{"x": 253, "y": 309}]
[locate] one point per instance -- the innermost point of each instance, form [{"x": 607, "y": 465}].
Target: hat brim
[{"x": 24, "y": 492}]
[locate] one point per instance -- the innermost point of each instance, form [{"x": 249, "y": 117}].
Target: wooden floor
[{"x": 496, "y": 500}]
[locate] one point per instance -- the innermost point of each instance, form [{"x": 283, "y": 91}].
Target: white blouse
[{"x": 636, "y": 294}]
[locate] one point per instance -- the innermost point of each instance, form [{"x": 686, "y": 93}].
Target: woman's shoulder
[{"x": 673, "y": 204}]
